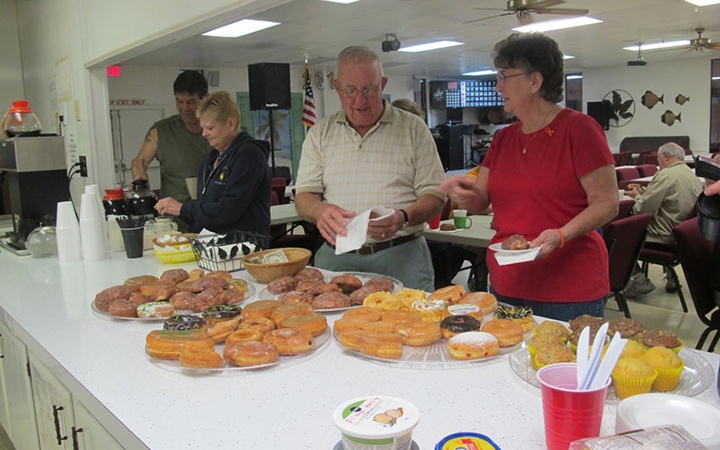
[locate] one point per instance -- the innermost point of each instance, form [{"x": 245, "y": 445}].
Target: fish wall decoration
[
  {"x": 650, "y": 99},
  {"x": 681, "y": 99},
  {"x": 669, "y": 118}
]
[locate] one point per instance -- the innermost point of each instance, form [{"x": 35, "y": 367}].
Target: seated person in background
[
  {"x": 371, "y": 154},
  {"x": 233, "y": 182},
  {"x": 177, "y": 141},
  {"x": 670, "y": 196}
]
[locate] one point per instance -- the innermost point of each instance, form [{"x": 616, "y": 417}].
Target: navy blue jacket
[{"x": 236, "y": 194}]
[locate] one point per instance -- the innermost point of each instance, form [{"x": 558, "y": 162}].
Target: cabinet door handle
[
  {"x": 56, "y": 417},
  {"x": 75, "y": 431}
]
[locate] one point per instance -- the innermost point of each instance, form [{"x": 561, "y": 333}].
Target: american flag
[{"x": 308, "y": 117}]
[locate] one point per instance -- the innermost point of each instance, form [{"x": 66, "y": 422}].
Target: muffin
[
  {"x": 552, "y": 328},
  {"x": 575, "y": 337},
  {"x": 661, "y": 338},
  {"x": 628, "y": 328},
  {"x": 537, "y": 343},
  {"x": 581, "y": 322},
  {"x": 668, "y": 365},
  {"x": 552, "y": 354},
  {"x": 633, "y": 349},
  {"x": 633, "y": 376}
]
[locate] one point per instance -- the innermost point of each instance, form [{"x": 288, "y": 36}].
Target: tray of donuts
[
  {"x": 446, "y": 329},
  {"x": 234, "y": 338},
  {"x": 328, "y": 291},
  {"x": 175, "y": 291}
]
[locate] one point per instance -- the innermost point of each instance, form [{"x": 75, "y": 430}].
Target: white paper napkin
[
  {"x": 504, "y": 259},
  {"x": 356, "y": 234}
]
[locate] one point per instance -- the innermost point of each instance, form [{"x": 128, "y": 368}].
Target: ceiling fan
[
  {"x": 523, "y": 10},
  {"x": 700, "y": 43}
]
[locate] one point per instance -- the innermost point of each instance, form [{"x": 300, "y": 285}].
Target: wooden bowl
[{"x": 265, "y": 273}]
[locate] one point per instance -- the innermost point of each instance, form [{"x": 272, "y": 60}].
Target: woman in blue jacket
[{"x": 234, "y": 181}]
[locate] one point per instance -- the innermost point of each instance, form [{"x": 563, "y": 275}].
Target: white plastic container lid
[{"x": 376, "y": 417}]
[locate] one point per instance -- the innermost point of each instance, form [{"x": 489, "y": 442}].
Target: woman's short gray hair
[{"x": 672, "y": 150}]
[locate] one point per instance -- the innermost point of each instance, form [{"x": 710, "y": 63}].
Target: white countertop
[{"x": 283, "y": 407}]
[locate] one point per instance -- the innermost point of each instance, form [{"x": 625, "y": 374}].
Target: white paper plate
[{"x": 649, "y": 410}]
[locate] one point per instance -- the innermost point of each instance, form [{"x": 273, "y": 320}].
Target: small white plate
[
  {"x": 497, "y": 247},
  {"x": 700, "y": 419}
]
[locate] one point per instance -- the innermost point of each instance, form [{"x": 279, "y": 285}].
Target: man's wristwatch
[{"x": 407, "y": 219}]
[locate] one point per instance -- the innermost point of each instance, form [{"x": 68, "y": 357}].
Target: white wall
[{"x": 690, "y": 78}]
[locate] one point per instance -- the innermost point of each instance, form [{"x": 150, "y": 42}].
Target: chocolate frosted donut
[
  {"x": 453, "y": 325},
  {"x": 184, "y": 322},
  {"x": 222, "y": 311}
]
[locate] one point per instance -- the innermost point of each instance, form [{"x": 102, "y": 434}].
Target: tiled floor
[{"x": 657, "y": 310}]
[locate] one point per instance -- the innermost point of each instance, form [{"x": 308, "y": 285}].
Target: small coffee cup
[{"x": 462, "y": 221}]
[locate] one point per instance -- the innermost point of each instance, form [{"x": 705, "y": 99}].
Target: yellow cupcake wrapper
[
  {"x": 625, "y": 386},
  {"x": 668, "y": 379}
]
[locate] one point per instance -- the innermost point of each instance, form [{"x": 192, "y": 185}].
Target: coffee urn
[{"x": 36, "y": 180}]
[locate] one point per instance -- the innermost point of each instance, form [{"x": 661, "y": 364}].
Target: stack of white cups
[
  {"x": 67, "y": 231},
  {"x": 92, "y": 228},
  {"x": 95, "y": 189}
]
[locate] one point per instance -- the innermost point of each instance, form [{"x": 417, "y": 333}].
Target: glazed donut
[
  {"x": 282, "y": 284},
  {"x": 363, "y": 313},
  {"x": 259, "y": 323},
  {"x": 154, "y": 310},
  {"x": 322, "y": 288},
  {"x": 183, "y": 300},
  {"x": 292, "y": 297},
  {"x": 418, "y": 334},
  {"x": 201, "y": 360},
  {"x": 142, "y": 279},
  {"x": 453, "y": 325},
  {"x": 212, "y": 296},
  {"x": 473, "y": 345},
  {"x": 250, "y": 353},
  {"x": 381, "y": 284},
  {"x": 139, "y": 299},
  {"x": 282, "y": 312},
  {"x": 347, "y": 282},
  {"x": 174, "y": 276},
  {"x": 451, "y": 294},
  {"x": 331, "y": 300},
  {"x": 373, "y": 343},
  {"x": 290, "y": 341},
  {"x": 219, "y": 274},
  {"x": 244, "y": 334},
  {"x": 310, "y": 273},
  {"x": 260, "y": 308},
  {"x": 221, "y": 330},
  {"x": 307, "y": 285},
  {"x": 507, "y": 332},
  {"x": 104, "y": 297},
  {"x": 237, "y": 285},
  {"x": 158, "y": 291},
  {"x": 515, "y": 242},
  {"x": 231, "y": 297},
  {"x": 485, "y": 300},
  {"x": 358, "y": 296},
  {"x": 163, "y": 344},
  {"x": 382, "y": 300},
  {"x": 313, "y": 323},
  {"x": 180, "y": 322},
  {"x": 207, "y": 281},
  {"x": 342, "y": 325},
  {"x": 195, "y": 274},
  {"x": 399, "y": 315},
  {"x": 122, "y": 308}
]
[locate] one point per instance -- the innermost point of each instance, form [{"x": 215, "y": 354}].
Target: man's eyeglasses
[
  {"x": 502, "y": 78},
  {"x": 353, "y": 92}
]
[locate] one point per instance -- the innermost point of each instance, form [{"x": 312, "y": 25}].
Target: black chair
[
  {"x": 695, "y": 255},
  {"x": 624, "y": 239},
  {"x": 285, "y": 236},
  {"x": 665, "y": 255}
]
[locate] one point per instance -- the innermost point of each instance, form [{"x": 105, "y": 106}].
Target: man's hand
[{"x": 332, "y": 221}]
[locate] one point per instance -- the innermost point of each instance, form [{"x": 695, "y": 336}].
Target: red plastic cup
[
  {"x": 434, "y": 223},
  {"x": 569, "y": 414}
]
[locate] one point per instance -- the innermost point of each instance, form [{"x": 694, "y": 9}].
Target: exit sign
[{"x": 113, "y": 71}]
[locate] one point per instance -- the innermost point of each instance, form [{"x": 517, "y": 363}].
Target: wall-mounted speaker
[{"x": 269, "y": 86}]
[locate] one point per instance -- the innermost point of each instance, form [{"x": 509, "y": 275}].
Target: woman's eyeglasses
[{"x": 502, "y": 78}]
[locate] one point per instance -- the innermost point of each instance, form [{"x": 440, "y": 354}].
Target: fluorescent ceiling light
[
  {"x": 703, "y": 2},
  {"x": 241, "y": 28},
  {"x": 658, "y": 45},
  {"x": 568, "y": 57},
  {"x": 576, "y": 76},
  {"x": 559, "y": 24},
  {"x": 344, "y": 2},
  {"x": 715, "y": 78},
  {"x": 430, "y": 46},
  {"x": 480, "y": 73}
]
